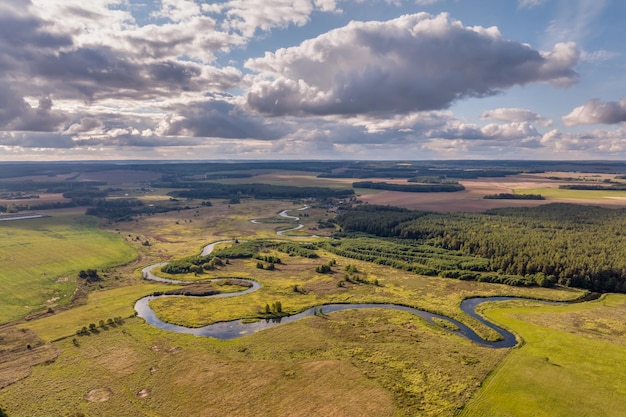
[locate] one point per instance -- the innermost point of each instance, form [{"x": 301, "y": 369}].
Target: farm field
[
  {"x": 44, "y": 255},
  {"x": 471, "y": 199}
]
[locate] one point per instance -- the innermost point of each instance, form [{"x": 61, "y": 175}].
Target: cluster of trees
[
  {"x": 410, "y": 188},
  {"x": 432, "y": 179},
  {"x": 252, "y": 249},
  {"x": 122, "y": 209},
  {"x": 326, "y": 268},
  {"x": 511, "y": 196},
  {"x": 270, "y": 267},
  {"x": 407, "y": 255},
  {"x": 92, "y": 328},
  {"x": 257, "y": 191},
  {"x": 276, "y": 308},
  {"x": 376, "y": 220},
  {"x": 572, "y": 245},
  {"x": 303, "y": 250},
  {"x": 89, "y": 275},
  {"x": 194, "y": 264},
  {"x": 614, "y": 187}
]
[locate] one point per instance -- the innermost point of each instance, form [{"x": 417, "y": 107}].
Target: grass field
[
  {"x": 365, "y": 363},
  {"x": 101, "y": 305},
  {"x": 572, "y": 362},
  {"x": 40, "y": 259},
  {"x": 573, "y": 194}
]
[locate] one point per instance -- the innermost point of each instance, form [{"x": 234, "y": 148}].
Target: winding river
[
  {"x": 238, "y": 328},
  {"x": 286, "y": 216}
]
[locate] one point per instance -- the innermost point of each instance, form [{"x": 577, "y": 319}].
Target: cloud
[
  {"x": 516, "y": 115},
  {"x": 600, "y": 55},
  {"x": 597, "y": 142},
  {"x": 413, "y": 63},
  {"x": 528, "y": 4},
  {"x": 216, "y": 119},
  {"x": 246, "y": 16},
  {"x": 575, "y": 21},
  {"x": 596, "y": 111},
  {"x": 471, "y": 131},
  {"x": 17, "y": 114}
]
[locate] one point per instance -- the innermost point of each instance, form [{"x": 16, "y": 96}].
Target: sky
[{"x": 312, "y": 79}]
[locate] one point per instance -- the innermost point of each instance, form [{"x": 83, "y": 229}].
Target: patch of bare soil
[
  {"x": 99, "y": 395},
  {"x": 174, "y": 350},
  {"x": 144, "y": 393},
  {"x": 20, "y": 350}
]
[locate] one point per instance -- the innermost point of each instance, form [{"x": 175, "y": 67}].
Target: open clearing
[
  {"x": 44, "y": 256},
  {"x": 571, "y": 363}
]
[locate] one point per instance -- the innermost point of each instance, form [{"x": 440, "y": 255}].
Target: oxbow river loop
[{"x": 238, "y": 328}]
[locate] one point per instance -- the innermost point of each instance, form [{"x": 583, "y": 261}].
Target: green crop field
[
  {"x": 571, "y": 363},
  {"x": 40, "y": 259},
  {"x": 574, "y": 194}
]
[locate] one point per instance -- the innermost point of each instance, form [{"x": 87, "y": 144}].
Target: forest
[
  {"x": 258, "y": 191},
  {"x": 572, "y": 245},
  {"x": 511, "y": 196},
  {"x": 411, "y": 188}
]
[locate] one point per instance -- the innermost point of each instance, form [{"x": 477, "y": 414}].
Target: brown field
[
  {"x": 43, "y": 198},
  {"x": 471, "y": 199}
]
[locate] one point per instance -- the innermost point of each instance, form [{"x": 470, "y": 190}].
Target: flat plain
[{"x": 369, "y": 362}]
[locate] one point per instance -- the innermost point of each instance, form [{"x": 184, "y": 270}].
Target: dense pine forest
[{"x": 572, "y": 245}]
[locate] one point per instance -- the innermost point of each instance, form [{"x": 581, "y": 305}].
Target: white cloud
[
  {"x": 600, "y": 55},
  {"x": 412, "y": 63},
  {"x": 528, "y": 4},
  {"x": 575, "y": 21},
  {"x": 594, "y": 143},
  {"x": 470, "y": 131},
  {"x": 247, "y": 16},
  {"x": 516, "y": 115},
  {"x": 597, "y": 111}
]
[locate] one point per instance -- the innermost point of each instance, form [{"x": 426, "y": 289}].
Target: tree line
[
  {"x": 511, "y": 196},
  {"x": 566, "y": 244},
  {"x": 410, "y": 188},
  {"x": 257, "y": 191}
]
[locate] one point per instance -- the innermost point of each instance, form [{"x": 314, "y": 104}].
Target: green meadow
[
  {"x": 574, "y": 194},
  {"x": 571, "y": 362},
  {"x": 40, "y": 259}
]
